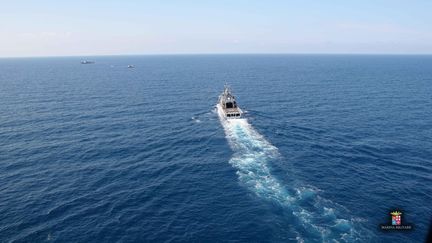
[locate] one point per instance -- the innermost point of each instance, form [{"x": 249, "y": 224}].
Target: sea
[{"x": 329, "y": 146}]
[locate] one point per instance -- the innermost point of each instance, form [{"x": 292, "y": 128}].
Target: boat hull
[{"x": 225, "y": 115}]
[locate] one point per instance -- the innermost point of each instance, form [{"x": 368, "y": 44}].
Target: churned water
[{"x": 105, "y": 153}]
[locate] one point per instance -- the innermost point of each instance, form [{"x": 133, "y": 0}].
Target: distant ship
[
  {"x": 87, "y": 62},
  {"x": 131, "y": 66},
  {"x": 227, "y": 105}
]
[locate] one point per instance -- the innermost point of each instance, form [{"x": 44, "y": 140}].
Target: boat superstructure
[{"x": 227, "y": 105}]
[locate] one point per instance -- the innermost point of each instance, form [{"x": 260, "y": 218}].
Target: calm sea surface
[{"x": 103, "y": 153}]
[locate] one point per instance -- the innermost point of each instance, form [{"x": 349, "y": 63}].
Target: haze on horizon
[{"x": 80, "y": 28}]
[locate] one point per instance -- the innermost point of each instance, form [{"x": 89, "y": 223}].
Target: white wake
[{"x": 317, "y": 220}]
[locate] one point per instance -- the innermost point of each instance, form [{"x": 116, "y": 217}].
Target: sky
[{"x": 133, "y": 27}]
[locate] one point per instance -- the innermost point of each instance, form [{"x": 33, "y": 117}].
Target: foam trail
[
  {"x": 195, "y": 119},
  {"x": 314, "y": 218}
]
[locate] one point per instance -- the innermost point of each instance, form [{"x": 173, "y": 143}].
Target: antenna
[{"x": 227, "y": 87}]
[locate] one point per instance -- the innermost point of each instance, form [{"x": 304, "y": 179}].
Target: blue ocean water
[{"x": 103, "y": 153}]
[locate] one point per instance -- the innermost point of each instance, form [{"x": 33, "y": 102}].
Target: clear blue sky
[{"x": 97, "y": 27}]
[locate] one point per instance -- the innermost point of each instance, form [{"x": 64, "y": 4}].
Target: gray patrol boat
[{"x": 227, "y": 105}]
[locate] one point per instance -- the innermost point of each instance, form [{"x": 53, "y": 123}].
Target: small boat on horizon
[
  {"x": 131, "y": 66},
  {"x": 87, "y": 62},
  {"x": 227, "y": 105}
]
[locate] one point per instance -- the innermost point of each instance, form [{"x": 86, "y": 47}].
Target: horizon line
[{"x": 216, "y": 54}]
